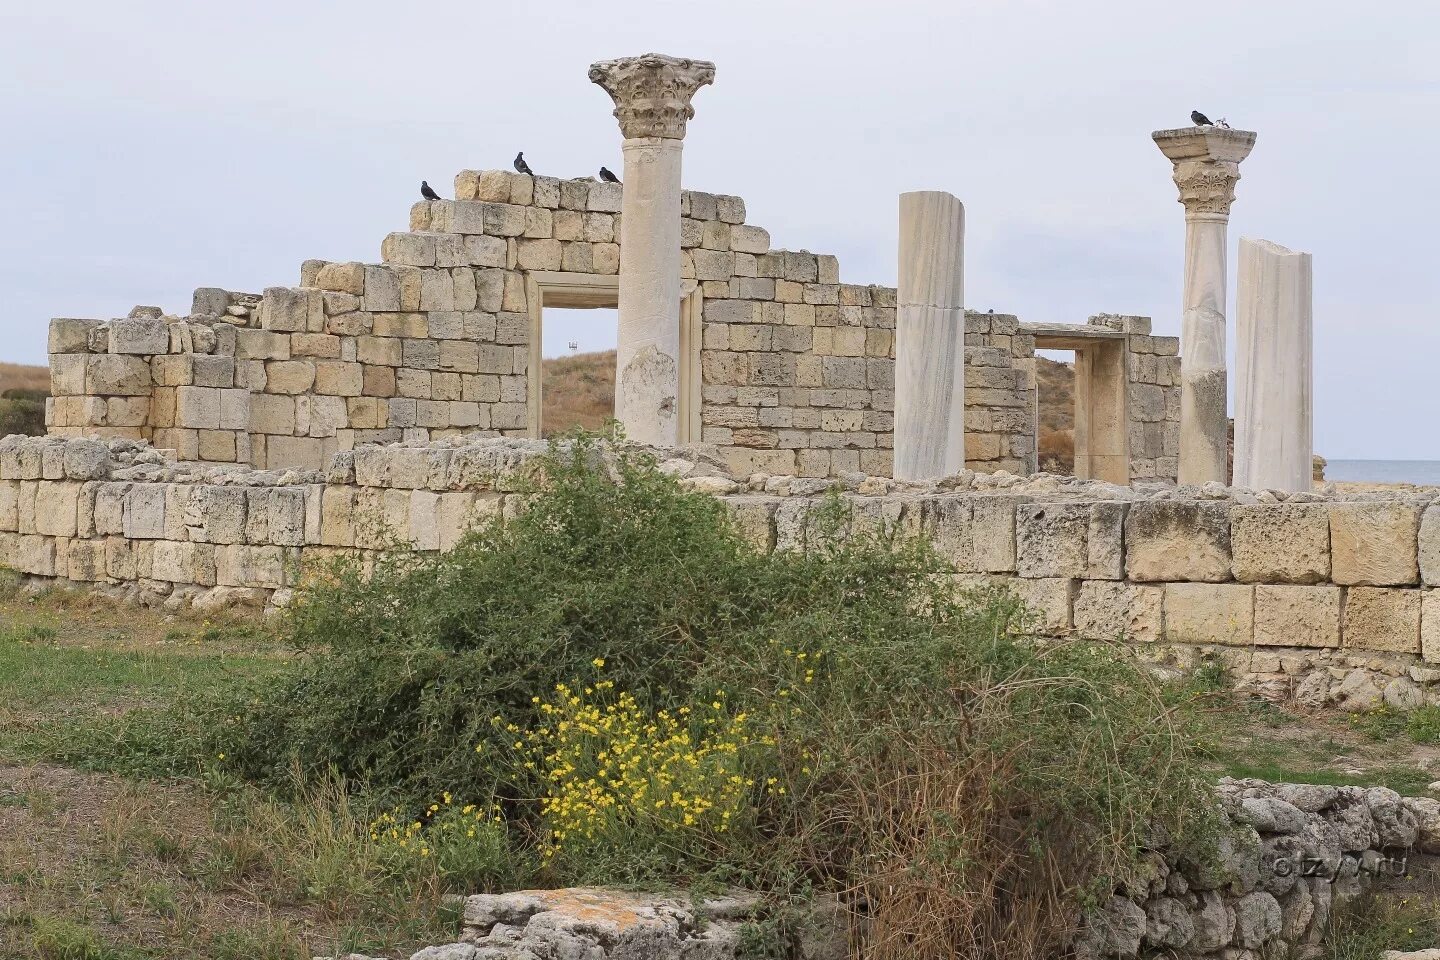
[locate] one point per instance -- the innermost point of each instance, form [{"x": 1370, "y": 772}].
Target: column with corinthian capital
[
  {"x": 652, "y": 102},
  {"x": 1207, "y": 165}
]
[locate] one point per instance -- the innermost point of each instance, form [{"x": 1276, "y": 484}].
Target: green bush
[
  {"x": 22, "y": 411},
  {"x": 645, "y": 697}
]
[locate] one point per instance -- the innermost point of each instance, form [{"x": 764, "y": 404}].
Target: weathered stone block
[
  {"x": 289, "y": 376},
  {"x": 1374, "y": 544},
  {"x": 183, "y": 563},
  {"x": 144, "y": 512},
  {"x": 1107, "y": 609},
  {"x": 292, "y": 310},
  {"x": 239, "y": 565},
  {"x": 197, "y": 408},
  {"x": 1221, "y": 613},
  {"x": 1048, "y": 600},
  {"x": 115, "y": 375},
  {"x": 55, "y": 508},
  {"x": 1297, "y": 616},
  {"x": 1429, "y": 542},
  {"x": 1379, "y": 618},
  {"x": 1280, "y": 543},
  {"x": 1178, "y": 540},
  {"x": 139, "y": 336},
  {"x": 1430, "y": 626},
  {"x": 69, "y": 335}
]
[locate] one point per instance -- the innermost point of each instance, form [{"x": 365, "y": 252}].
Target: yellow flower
[{"x": 598, "y": 662}]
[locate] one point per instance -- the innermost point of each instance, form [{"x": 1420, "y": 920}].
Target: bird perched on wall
[
  {"x": 607, "y": 176},
  {"x": 1199, "y": 119},
  {"x": 521, "y": 165},
  {"x": 428, "y": 192}
]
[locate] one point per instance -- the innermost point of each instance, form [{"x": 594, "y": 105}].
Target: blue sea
[{"x": 1426, "y": 472}]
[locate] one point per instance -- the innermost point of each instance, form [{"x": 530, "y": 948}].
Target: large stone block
[
  {"x": 144, "y": 336},
  {"x": 1380, "y": 618},
  {"x": 239, "y": 565},
  {"x": 177, "y": 562},
  {"x": 1430, "y": 626},
  {"x": 55, "y": 508},
  {"x": 197, "y": 408},
  {"x": 1048, "y": 602},
  {"x": 1178, "y": 540},
  {"x": 1429, "y": 542},
  {"x": 292, "y": 310},
  {"x": 1374, "y": 544},
  {"x": 116, "y": 375},
  {"x": 70, "y": 335},
  {"x": 1220, "y": 613},
  {"x": 1280, "y": 543},
  {"x": 1067, "y": 539},
  {"x": 1297, "y": 616},
  {"x": 1107, "y": 609},
  {"x": 216, "y": 514},
  {"x": 144, "y": 511}
]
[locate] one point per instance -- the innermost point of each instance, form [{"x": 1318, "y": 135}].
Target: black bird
[
  {"x": 1199, "y": 119},
  {"x": 521, "y": 165},
  {"x": 607, "y": 176},
  {"x": 428, "y": 192}
]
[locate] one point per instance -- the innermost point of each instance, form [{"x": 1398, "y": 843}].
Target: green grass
[
  {"x": 53, "y": 698},
  {"x": 1373, "y": 924}
]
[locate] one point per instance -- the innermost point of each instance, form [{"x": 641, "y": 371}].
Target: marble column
[
  {"x": 1273, "y": 354},
  {"x": 652, "y": 102},
  {"x": 930, "y": 337},
  {"x": 1207, "y": 165}
]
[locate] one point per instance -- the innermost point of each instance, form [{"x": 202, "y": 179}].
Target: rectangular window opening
[
  {"x": 1055, "y": 402},
  {"x": 578, "y": 363}
]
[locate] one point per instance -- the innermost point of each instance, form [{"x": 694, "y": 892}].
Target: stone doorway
[
  {"x": 1101, "y": 422},
  {"x": 584, "y": 291}
]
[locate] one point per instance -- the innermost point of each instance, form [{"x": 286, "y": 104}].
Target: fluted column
[
  {"x": 1207, "y": 165},
  {"x": 652, "y": 102},
  {"x": 1273, "y": 354},
  {"x": 930, "y": 337}
]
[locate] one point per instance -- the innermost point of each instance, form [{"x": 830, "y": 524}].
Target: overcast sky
[{"x": 149, "y": 148}]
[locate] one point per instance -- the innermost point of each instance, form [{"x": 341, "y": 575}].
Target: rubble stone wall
[
  {"x": 1323, "y": 599},
  {"x": 1294, "y": 854},
  {"x": 795, "y": 369}
]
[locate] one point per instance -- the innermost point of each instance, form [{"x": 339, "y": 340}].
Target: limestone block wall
[
  {"x": 1000, "y": 394},
  {"x": 789, "y": 371},
  {"x": 1294, "y": 853},
  {"x": 1324, "y": 600}
]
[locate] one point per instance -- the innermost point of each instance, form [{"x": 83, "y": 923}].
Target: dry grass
[
  {"x": 1056, "y": 383},
  {"x": 15, "y": 376},
  {"x": 579, "y": 391},
  {"x": 95, "y": 866}
]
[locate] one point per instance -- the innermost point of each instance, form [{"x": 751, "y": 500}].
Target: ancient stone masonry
[
  {"x": 1294, "y": 852},
  {"x": 783, "y": 367},
  {"x": 1319, "y": 599}
]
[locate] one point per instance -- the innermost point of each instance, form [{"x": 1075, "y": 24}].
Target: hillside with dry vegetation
[
  {"x": 23, "y": 390},
  {"x": 1056, "y": 383},
  {"x": 579, "y": 391}
]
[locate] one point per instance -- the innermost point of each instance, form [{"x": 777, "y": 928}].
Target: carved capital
[
  {"x": 1207, "y": 186},
  {"x": 652, "y": 92}
]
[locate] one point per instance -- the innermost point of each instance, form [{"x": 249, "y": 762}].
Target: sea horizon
[{"x": 1421, "y": 472}]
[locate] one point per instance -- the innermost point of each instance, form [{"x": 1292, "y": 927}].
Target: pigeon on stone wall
[
  {"x": 428, "y": 192},
  {"x": 521, "y": 165},
  {"x": 1199, "y": 119},
  {"x": 607, "y": 176}
]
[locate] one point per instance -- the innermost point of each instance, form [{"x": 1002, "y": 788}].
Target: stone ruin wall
[
  {"x": 1323, "y": 600},
  {"x": 1294, "y": 854},
  {"x": 795, "y": 368}
]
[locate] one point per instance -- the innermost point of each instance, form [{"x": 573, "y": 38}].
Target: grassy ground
[
  {"x": 17, "y": 376},
  {"x": 98, "y": 866}
]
